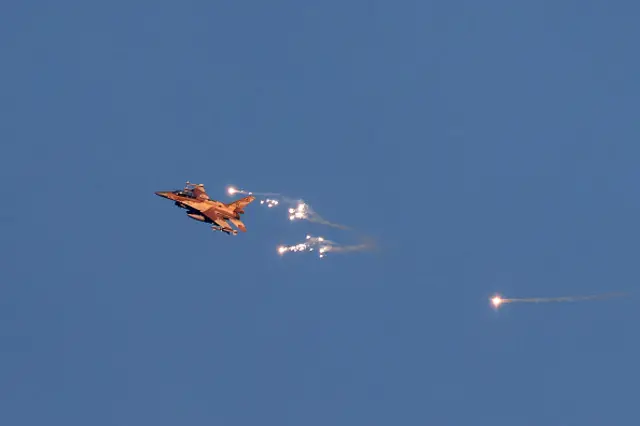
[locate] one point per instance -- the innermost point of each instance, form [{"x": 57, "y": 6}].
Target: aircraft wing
[
  {"x": 211, "y": 213},
  {"x": 222, "y": 223},
  {"x": 241, "y": 226},
  {"x": 241, "y": 203}
]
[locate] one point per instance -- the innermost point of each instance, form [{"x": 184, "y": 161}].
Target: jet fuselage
[{"x": 201, "y": 207}]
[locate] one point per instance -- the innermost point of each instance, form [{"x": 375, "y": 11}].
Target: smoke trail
[
  {"x": 304, "y": 211},
  {"x": 498, "y": 300},
  {"x": 322, "y": 246},
  {"x": 298, "y": 209}
]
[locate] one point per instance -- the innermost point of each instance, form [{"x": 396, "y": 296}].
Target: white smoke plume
[
  {"x": 322, "y": 246},
  {"x": 298, "y": 209}
]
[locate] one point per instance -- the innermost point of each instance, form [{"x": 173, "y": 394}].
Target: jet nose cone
[{"x": 161, "y": 194}]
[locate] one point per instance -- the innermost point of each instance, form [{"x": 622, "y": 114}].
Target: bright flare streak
[
  {"x": 269, "y": 202},
  {"x": 310, "y": 244},
  {"x": 232, "y": 191},
  {"x": 498, "y": 301},
  {"x": 300, "y": 212},
  {"x": 299, "y": 209},
  {"x": 323, "y": 246}
]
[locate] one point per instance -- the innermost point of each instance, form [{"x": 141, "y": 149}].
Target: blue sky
[{"x": 485, "y": 146}]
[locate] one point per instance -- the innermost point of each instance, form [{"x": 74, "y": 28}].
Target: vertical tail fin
[{"x": 240, "y": 204}]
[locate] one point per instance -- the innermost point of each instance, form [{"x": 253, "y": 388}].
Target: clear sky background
[{"x": 486, "y": 146}]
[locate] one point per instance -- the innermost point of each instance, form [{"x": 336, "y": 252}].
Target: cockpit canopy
[
  {"x": 184, "y": 193},
  {"x": 194, "y": 191}
]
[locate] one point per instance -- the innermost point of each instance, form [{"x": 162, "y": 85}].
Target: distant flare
[{"x": 498, "y": 300}]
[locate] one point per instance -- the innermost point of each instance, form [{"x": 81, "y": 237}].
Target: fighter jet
[{"x": 194, "y": 199}]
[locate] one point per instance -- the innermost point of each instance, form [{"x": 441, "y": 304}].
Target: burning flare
[
  {"x": 298, "y": 209},
  {"x": 498, "y": 300}
]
